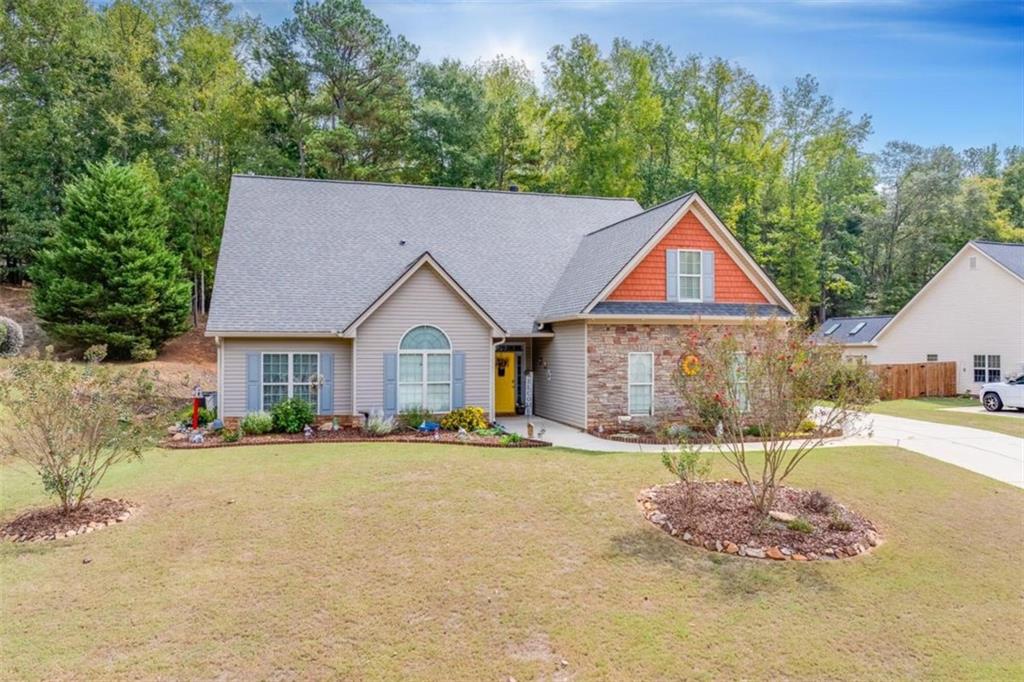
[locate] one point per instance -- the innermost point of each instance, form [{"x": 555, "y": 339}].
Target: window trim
[
  {"x": 424, "y": 382},
  {"x": 290, "y": 383},
  {"x": 741, "y": 379},
  {"x": 680, "y": 276},
  {"x": 630, "y": 384},
  {"x": 987, "y": 367}
]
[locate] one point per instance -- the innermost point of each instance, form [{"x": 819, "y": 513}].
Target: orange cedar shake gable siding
[{"x": 647, "y": 280}]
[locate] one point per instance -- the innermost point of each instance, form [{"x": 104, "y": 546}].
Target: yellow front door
[{"x": 505, "y": 382}]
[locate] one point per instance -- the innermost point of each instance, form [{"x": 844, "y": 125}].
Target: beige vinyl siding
[
  {"x": 963, "y": 313},
  {"x": 560, "y": 371},
  {"x": 424, "y": 298},
  {"x": 234, "y": 350}
]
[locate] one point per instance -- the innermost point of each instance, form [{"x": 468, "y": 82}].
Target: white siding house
[{"x": 971, "y": 312}]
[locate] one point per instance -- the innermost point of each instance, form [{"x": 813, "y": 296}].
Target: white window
[
  {"x": 932, "y": 357},
  {"x": 832, "y": 329},
  {"x": 690, "y": 279},
  {"x": 987, "y": 369},
  {"x": 641, "y": 383},
  {"x": 740, "y": 382},
  {"x": 857, "y": 327},
  {"x": 290, "y": 375},
  {"x": 425, "y": 370}
]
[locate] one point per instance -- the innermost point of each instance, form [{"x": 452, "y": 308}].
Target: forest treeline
[{"x": 189, "y": 94}]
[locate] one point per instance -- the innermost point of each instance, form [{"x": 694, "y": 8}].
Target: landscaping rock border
[
  {"x": 343, "y": 436},
  {"x": 50, "y": 523},
  {"x": 647, "y": 502}
]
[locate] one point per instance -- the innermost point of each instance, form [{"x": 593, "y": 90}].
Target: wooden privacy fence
[{"x": 917, "y": 379}]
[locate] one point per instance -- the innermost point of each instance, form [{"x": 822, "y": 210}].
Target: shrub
[
  {"x": 141, "y": 352},
  {"x": 800, "y": 526},
  {"x": 257, "y": 423},
  {"x": 411, "y": 419},
  {"x": 469, "y": 418},
  {"x": 839, "y": 523},
  {"x": 71, "y": 424},
  {"x": 379, "y": 425},
  {"x": 95, "y": 353},
  {"x": 205, "y": 416},
  {"x": 691, "y": 468},
  {"x": 511, "y": 439},
  {"x": 819, "y": 502},
  {"x": 231, "y": 436},
  {"x": 768, "y": 373},
  {"x": 290, "y": 416},
  {"x": 807, "y": 426},
  {"x": 12, "y": 338},
  {"x": 677, "y": 433}
]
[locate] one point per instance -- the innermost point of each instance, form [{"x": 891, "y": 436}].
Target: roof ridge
[
  {"x": 644, "y": 212},
  {"x": 444, "y": 187},
  {"x": 992, "y": 241},
  {"x": 859, "y": 317}
]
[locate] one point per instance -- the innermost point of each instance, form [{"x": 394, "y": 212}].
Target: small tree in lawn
[
  {"x": 107, "y": 275},
  {"x": 768, "y": 379},
  {"x": 71, "y": 424}
]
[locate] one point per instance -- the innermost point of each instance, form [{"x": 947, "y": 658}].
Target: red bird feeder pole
[{"x": 197, "y": 395}]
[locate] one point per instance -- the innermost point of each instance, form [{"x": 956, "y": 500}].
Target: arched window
[{"x": 425, "y": 370}]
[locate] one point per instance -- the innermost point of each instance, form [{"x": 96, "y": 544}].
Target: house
[
  {"x": 971, "y": 312},
  {"x": 366, "y": 297}
]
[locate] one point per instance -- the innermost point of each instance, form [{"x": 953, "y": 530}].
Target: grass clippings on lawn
[
  {"x": 392, "y": 561},
  {"x": 938, "y": 410}
]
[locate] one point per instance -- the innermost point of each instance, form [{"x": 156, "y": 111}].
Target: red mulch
[
  {"x": 722, "y": 511},
  {"x": 49, "y": 523},
  {"x": 355, "y": 436}
]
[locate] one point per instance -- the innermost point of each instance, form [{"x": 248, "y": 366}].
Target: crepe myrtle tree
[
  {"x": 766, "y": 380},
  {"x": 72, "y": 423}
]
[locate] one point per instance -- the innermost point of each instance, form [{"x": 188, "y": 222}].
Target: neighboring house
[
  {"x": 366, "y": 297},
  {"x": 971, "y": 312}
]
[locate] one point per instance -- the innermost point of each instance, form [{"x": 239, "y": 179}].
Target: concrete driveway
[
  {"x": 991, "y": 454},
  {"x": 981, "y": 410}
]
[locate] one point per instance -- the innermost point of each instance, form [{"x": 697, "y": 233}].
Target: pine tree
[{"x": 107, "y": 275}]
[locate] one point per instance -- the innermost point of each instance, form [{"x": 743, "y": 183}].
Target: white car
[{"x": 1008, "y": 393}]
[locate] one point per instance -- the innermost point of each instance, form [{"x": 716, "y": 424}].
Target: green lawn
[
  {"x": 937, "y": 410},
  {"x": 386, "y": 561}
]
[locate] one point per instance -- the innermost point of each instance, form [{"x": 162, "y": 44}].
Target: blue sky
[{"x": 927, "y": 72}]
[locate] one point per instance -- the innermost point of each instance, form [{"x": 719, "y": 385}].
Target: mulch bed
[
  {"x": 698, "y": 438},
  {"x": 50, "y": 523},
  {"x": 721, "y": 518},
  {"x": 355, "y": 436}
]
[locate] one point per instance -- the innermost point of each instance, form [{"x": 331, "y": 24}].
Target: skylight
[
  {"x": 857, "y": 327},
  {"x": 831, "y": 329}
]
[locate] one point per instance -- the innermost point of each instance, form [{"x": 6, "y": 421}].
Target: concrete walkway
[{"x": 991, "y": 454}]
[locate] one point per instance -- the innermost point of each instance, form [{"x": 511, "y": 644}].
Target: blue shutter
[
  {"x": 253, "y": 373},
  {"x": 327, "y": 388},
  {"x": 458, "y": 379},
  {"x": 390, "y": 383},
  {"x": 671, "y": 275},
  {"x": 707, "y": 269}
]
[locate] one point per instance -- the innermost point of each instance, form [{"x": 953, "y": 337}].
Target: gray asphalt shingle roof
[
  {"x": 1009, "y": 255},
  {"x": 688, "y": 308},
  {"x": 600, "y": 256},
  {"x": 846, "y": 325},
  {"x": 310, "y": 256}
]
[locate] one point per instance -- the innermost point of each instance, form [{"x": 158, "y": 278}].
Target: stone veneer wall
[{"x": 608, "y": 349}]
